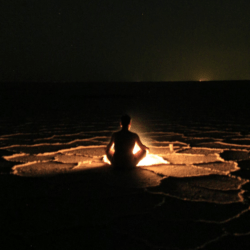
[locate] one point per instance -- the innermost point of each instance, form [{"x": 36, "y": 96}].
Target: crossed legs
[{"x": 123, "y": 160}]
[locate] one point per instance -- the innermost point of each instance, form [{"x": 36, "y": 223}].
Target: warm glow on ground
[{"x": 150, "y": 159}]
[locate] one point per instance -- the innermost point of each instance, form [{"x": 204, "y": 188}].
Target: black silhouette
[{"x": 124, "y": 142}]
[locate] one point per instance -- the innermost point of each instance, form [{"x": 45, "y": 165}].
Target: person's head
[{"x": 126, "y": 121}]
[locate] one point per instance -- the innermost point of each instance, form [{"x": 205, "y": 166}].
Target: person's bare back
[{"x": 124, "y": 142}]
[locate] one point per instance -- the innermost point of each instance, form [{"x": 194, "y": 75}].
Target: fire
[{"x": 150, "y": 159}]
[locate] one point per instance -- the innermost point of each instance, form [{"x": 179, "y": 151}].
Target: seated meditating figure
[{"x": 123, "y": 142}]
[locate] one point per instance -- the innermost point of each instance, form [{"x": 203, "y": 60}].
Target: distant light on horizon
[{"x": 204, "y": 80}]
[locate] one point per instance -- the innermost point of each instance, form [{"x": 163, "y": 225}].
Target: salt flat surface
[{"x": 56, "y": 177}]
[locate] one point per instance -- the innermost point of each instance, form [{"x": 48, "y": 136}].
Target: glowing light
[
  {"x": 203, "y": 79},
  {"x": 136, "y": 148},
  {"x": 150, "y": 159},
  {"x": 105, "y": 159}
]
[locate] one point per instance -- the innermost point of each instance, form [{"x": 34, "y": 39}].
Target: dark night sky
[{"x": 111, "y": 40}]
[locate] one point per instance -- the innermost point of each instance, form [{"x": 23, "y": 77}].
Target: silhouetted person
[{"x": 124, "y": 142}]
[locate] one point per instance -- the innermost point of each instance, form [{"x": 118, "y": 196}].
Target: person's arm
[
  {"x": 109, "y": 146},
  {"x": 142, "y": 146}
]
